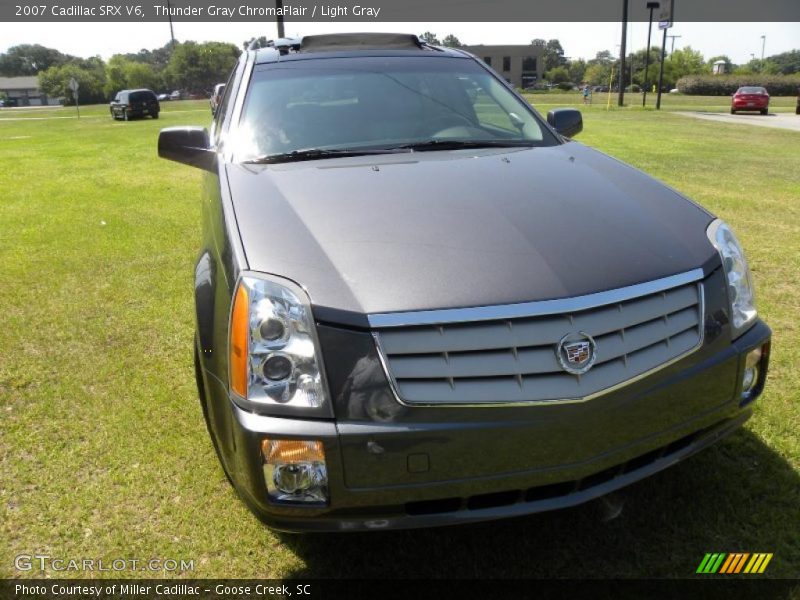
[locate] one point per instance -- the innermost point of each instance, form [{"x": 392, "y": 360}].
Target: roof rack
[
  {"x": 333, "y": 42},
  {"x": 283, "y": 45},
  {"x": 360, "y": 41}
]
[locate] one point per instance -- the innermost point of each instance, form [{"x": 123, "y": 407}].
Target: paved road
[{"x": 789, "y": 121}]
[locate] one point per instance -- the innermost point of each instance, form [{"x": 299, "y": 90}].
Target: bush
[
  {"x": 725, "y": 85},
  {"x": 565, "y": 85}
]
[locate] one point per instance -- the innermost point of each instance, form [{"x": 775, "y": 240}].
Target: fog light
[
  {"x": 751, "y": 369},
  {"x": 295, "y": 470}
]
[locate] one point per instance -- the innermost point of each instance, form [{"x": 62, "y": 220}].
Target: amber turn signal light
[{"x": 237, "y": 364}]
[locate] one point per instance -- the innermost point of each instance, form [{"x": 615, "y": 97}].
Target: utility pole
[
  {"x": 621, "y": 100},
  {"x": 651, "y": 6},
  {"x": 763, "y": 45},
  {"x": 279, "y": 18},
  {"x": 672, "y": 37},
  {"x": 661, "y": 70},
  {"x": 171, "y": 31}
]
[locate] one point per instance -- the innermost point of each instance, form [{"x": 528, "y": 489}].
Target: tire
[
  {"x": 154, "y": 115},
  {"x": 733, "y": 112},
  {"x": 765, "y": 112}
]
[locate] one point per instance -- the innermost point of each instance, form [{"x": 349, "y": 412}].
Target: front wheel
[
  {"x": 733, "y": 112},
  {"x": 765, "y": 112},
  {"x": 154, "y": 115}
]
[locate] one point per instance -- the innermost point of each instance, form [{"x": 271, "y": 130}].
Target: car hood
[{"x": 446, "y": 229}]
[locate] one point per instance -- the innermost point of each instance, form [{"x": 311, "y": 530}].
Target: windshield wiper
[
  {"x": 315, "y": 153},
  {"x": 443, "y": 144}
]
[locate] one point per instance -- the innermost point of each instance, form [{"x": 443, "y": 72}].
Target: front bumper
[{"x": 362, "y": 454}]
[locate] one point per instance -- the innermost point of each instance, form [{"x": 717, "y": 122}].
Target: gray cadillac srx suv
[{"x": 419, "y": 303}]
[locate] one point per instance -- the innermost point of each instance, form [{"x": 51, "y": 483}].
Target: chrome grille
[{"x": 513, "y": 360}]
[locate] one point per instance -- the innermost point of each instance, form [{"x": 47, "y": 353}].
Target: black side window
[
  {"x": 223, "y": 106},
  {"x": 506, "y": 63}
]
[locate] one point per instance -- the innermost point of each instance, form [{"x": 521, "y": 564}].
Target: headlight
[
  {"x": 274, "y": 356},
  {"x": 740, "y": 283}
]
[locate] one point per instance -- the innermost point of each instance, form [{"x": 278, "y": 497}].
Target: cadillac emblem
[{"x": 576, "y": 352}]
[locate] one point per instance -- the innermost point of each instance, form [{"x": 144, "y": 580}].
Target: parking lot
[{"x": 776, "y": 120}]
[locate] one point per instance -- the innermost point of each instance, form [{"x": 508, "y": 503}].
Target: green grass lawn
[{"x": 103, "y": 449}]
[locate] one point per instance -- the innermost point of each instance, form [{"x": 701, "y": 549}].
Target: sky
[{"x": 739, "y": 41}]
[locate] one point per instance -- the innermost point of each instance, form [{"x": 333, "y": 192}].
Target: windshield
[{"x": 375, "y": 103}]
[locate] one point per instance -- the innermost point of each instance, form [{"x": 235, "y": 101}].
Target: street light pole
[
  {"x": 621, "y": 99},
  {"x": 763, "y": 45},
  {"x": 661, "y": 70},
  {"x": 651, "y": 6}
]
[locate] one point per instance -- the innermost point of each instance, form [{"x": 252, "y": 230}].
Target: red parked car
[{"x": 750, "y": 98}]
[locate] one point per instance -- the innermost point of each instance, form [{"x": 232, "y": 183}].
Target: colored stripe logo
[{"x": 735, "y": 562}]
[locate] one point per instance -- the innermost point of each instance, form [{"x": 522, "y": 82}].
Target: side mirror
[
  {"x": 187, "y": 145},
  {"x": 566, "y": 121}
]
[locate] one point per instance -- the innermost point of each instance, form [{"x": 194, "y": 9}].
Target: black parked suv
[
  {"x": 134, "y": 103},
  {"x": 419, "y": 303}
]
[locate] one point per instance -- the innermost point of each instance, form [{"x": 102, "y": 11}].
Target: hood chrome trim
[{"x": 530, "y": 309}]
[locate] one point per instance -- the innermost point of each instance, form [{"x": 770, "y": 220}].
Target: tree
[
  {"x": 786, "y": 63},
  {"x": 552, "y": 53},
  {"x": 597, "y": 74},
  {"x": 261, "y": 42},
  {"x": 89, "y": 73},
  {"x": 158, "y": 58},
  {"x": 576, "y": 68},
  {"x": 122, "y": 73},
  {"x": 30, "y": 59},
  {"x": 199, "y": 67},
  {"x": 141, "y": 75},
  {"x": 598, "y": 69},
  {"x": 682, "y": 62},
  {"x": 557, "y": 75},
  {"x": 115, "y": 75},
  {"x": 452, "y": 41},
  {"x": 638, "y": 59},
  {"x": 430, "y": 38},
  {"x": 604, "y": 57}
]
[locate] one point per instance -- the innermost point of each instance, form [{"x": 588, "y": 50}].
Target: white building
[{"x": 25, "y": 91}]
